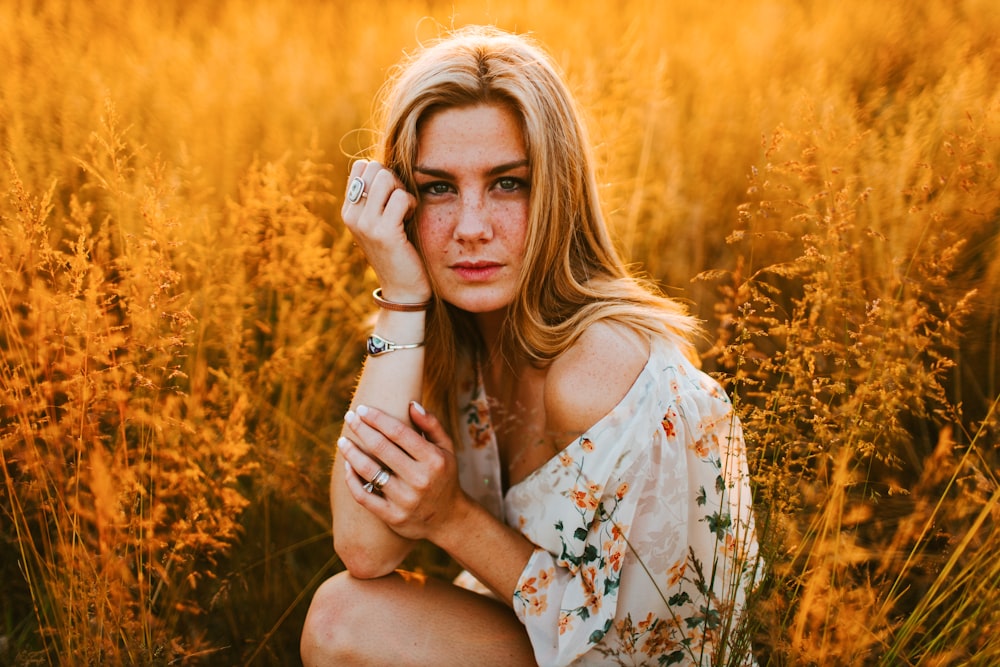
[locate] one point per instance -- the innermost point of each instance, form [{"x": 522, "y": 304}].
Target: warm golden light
[{"x": 182, "y": 312}]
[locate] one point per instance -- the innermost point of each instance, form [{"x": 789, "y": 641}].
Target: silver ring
[
  {"x": 356, "y": 190},
  {"x": 378, "y": 481}
]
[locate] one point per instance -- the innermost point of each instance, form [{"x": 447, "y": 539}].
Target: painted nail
[
  {"x": 419, "y": 408},
  {"x": 362, "y": 410},
  {"x": 350, "y": 417},
  {"x": 343, "y": 443}
]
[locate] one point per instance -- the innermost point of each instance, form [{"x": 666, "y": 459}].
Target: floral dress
[{"x": 643, "y": 525}]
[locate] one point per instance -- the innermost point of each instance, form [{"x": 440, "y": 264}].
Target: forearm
[
  {"x": 389, "y": 382},
  {"x": 490, "y": 550}
]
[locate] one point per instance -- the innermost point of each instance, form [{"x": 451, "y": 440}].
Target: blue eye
[
  {"x": 436, "y": 188},
  {"x": 511, "y": 184}
]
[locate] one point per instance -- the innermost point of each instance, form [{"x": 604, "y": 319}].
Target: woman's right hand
[{"x": 377, "y": 222}]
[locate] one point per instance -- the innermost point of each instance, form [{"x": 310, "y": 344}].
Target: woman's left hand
[{"x": 422, "y": 494}]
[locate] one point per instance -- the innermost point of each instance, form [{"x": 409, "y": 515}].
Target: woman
[{"x": 589, "y": 479}]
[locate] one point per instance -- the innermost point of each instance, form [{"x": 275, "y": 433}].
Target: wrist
[
  {"x": 455, "y": 530},
  {"x": 403, "y": 328}
]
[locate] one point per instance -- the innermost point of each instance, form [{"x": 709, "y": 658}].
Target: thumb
[{"x": 431, "y": 426}]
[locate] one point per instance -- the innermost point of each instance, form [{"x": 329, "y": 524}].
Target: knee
[{"x": 330, "y": 630}]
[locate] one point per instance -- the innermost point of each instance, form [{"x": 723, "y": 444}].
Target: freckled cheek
[
  {"x": 433, "y": 230},
  {"x": 511, "y": 221}
]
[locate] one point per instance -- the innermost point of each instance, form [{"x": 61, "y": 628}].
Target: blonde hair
[{"x": 572, "y": 274}]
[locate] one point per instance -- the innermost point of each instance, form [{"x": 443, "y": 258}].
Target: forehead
[{"x": 480, "y": 135}]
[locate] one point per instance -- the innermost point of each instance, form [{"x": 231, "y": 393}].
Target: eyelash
[{"x": 515, "y": 185}]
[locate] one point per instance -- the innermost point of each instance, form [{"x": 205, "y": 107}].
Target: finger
[
  {"x": 364, "y": 466},
  {"x": 373, "y": 502},
  {"x": 358, "y": 169},
  {"x": 431, "y": 426},
  {"x": 364, "y": 170},
  {"x": 378, "y": 444},
  {"x": 401, "y": 205},
  {"x": 382, "y": 184},
  {"x": 372, "y": 167},
  {"x": 401, "y": 436}
]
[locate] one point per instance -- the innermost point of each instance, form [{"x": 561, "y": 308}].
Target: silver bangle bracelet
[{"x": 377, "y": 346}]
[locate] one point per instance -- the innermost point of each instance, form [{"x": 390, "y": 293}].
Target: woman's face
[{"x": 473, "y": 180}]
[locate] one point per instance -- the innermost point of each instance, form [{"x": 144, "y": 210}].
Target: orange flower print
[
  {"x": 698, "y": 638},
  {"x": 700, "y": 448},
  {"x": 586, "y": 445},
  {"x": 668, "y": 425},
  {"x": 728, "y": 549},
  {"x": 644, "y": 625},
  {"x": 622, "y": 490},
  {"x": 618, "y": 530},
  {"x": 584, "y": 499},
  {"x": 712, "y": 389},
  {"x": 565, "y": 459},
  {"x": 615, "y": 557},
  {"x": 538, "y": 605},
  {"x": 528, "y": 587},
  {"x": 565, "y": 623},
  {"x": 676, "y": 572},
  {"x": 545, "y": 577}
]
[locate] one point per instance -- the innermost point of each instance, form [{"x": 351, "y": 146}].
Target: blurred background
[{"x": 182, "y": 312}]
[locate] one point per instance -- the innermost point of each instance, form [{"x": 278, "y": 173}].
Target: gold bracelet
[{"x": 400, "y": 307}]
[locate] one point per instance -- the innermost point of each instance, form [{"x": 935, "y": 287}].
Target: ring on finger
[
  {"x": 356, "y": 190},
  {"x": 378, "y": 481}
]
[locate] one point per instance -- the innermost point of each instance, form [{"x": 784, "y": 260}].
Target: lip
[{"x": 476, "y": 271}]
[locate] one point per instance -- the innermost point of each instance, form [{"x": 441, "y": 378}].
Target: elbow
[
  {"x": 362, "y": 563},
  {"x": 361, "y": 569}
]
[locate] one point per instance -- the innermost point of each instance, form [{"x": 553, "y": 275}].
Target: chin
[{"x": 478, "y": 303}]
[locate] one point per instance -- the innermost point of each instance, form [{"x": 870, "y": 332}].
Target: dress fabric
[{"x": 643, "y": 524}]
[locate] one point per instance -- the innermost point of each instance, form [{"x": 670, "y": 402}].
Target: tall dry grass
[{"x": 181, "y": 309}]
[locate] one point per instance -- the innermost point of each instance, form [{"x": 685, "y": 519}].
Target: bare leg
[{"x": 409, "y": 619}]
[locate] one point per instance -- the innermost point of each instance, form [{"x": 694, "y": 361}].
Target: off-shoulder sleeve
[{"x": 640, "y": 524}]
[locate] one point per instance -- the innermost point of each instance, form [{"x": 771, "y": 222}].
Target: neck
[{"x": 490, "y": 327}]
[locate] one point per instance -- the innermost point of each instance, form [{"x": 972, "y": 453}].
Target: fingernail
[
  {"x": 343, "y": 443},
  {"x": 350, "y": 417},
  {"x": 362, "y": 410},
  {"x": 419, "y": 408},
  {"x": 348, "y": 468}
]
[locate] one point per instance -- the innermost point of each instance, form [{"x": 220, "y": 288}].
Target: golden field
[{"x": 182, "y": 311}]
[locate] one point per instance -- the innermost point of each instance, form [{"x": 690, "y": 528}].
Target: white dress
[{"x": 643, "y": 524}]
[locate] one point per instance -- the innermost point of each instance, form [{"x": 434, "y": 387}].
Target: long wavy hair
[{"x": 572, "y": 274}]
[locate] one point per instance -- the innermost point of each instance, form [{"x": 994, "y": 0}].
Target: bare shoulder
[{"x": 592, "y": 376}]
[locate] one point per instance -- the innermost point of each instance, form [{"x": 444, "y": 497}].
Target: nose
[{"x": 474, "y": 223}]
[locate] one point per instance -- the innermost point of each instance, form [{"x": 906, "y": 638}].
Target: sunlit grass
[{"x": 181, "y": 309}]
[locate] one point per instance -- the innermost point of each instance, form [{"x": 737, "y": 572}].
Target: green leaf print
[
  {"x": 678, "y": 599},
  {"x": 719, "y": 524},
  {"x": 674, "y": 658}
]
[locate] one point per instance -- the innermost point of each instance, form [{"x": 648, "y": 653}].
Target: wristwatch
[{"x": 377, "y": 346}]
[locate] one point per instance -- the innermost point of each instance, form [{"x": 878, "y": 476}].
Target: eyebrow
[{"x": 493, "y": 171}]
